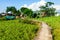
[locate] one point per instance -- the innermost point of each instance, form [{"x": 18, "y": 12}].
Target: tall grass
[
  {"x": 53, "y": 22},
  {"x": 15, "y": 30}
]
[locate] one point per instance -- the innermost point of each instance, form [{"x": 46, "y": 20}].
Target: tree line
[{"x": 45, "y": 10}]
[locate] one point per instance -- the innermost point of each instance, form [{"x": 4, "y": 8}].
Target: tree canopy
[
  {"x": 48, "y": 9},
  {"x": 12, "y": 9},
  {"x": 26, "y": 11}
]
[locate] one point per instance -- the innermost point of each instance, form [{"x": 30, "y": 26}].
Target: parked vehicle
[{"x": 10, "y": 16}]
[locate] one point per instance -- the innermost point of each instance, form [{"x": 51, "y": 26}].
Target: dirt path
[{"x": 44, "y": 33}]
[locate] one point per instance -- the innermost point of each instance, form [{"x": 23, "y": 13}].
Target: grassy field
[
  {"x": 15, "y": 30},
  {"x": 54, "y": 22}
]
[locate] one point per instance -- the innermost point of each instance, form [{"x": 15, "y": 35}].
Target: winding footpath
[{"x": 44, "y": 33}]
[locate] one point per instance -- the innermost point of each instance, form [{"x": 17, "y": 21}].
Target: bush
[
  {"x": 29, "y": 21},
  {"x": 34, "y": 15}
]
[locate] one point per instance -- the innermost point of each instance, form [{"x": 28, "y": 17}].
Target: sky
[{"x": 32, "y": 4}]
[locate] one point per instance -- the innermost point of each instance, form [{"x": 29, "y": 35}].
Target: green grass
[
  {"x": 15, "y": 30},
  {"x": 54, "y": 22}
]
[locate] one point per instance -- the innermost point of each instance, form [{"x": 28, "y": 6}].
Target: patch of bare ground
[{"x": 44, "y": 33}]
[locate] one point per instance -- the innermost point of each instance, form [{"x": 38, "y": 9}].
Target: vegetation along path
[{"x": 44, "y": 33}]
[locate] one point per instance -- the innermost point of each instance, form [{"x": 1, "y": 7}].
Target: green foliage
[
  {"x": 34, "y": 15},
  {"x": 29, "y": 21},
  {"x": 51, "y": 12},
  {"x": 53, "y": 22},
  {"x": 49, "y": 4},
  {"x": 12, "y": 9},
  {"x": 48, "y": 9},
  {"x": 18, "y": 13},
  {"x": 26, "y": 11},
  {"x": 15, "y": 30}
]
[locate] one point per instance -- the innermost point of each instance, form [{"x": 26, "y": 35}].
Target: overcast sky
[{"x": 32, "y": 4}]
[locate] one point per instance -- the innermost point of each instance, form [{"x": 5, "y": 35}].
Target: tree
[
  {"x": 48, "y": 9},
  {"x": 49, "y": 4},
  {"x": 26, "y": 11},
  {"x": 12, "y": 9},
  {"x": 18, "y": 13},
  {"x": 51, "y": 11}
]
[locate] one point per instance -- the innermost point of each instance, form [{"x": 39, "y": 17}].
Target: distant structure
[{"x": 3, "y": 14}]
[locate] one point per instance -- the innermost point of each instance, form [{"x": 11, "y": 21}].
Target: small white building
[{"x": 3, "y": 14}]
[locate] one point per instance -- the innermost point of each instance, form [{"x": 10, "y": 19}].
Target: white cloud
[
  {"x": 25, "y": 5},
  {"x": 57, "y": 7},
  {"x": 35, "y": 6}
]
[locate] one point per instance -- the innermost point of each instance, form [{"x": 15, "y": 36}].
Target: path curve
[{"x": 44, "y": 33}]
